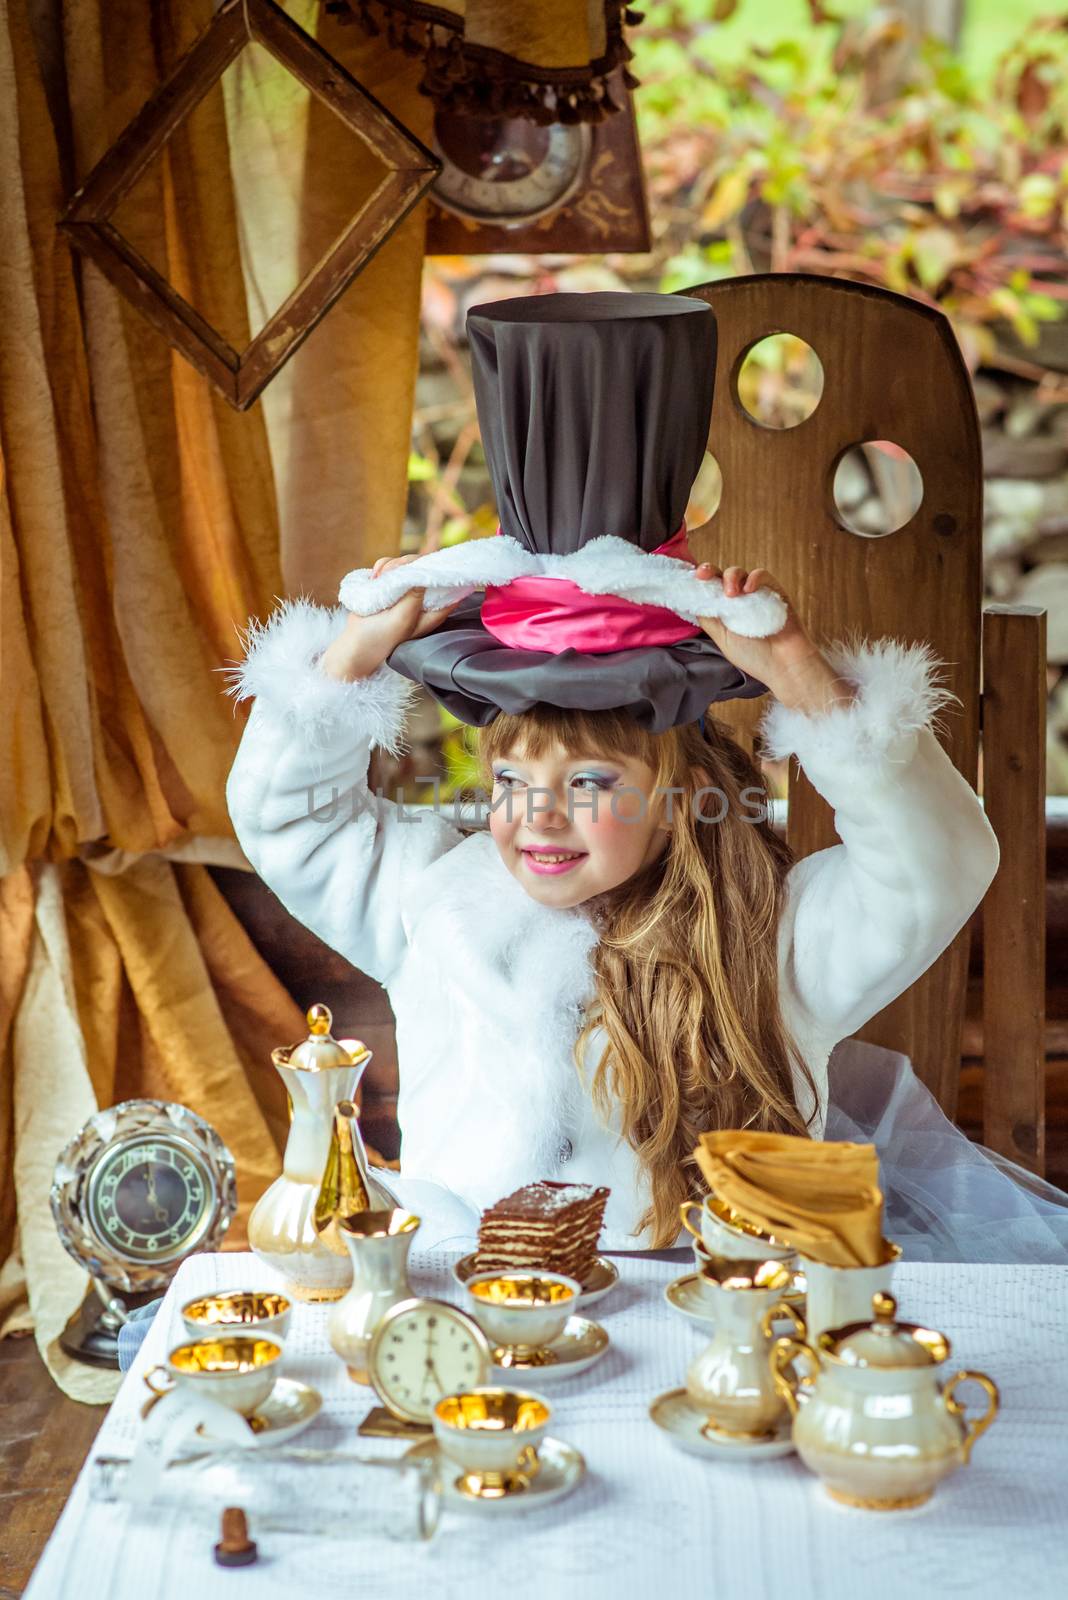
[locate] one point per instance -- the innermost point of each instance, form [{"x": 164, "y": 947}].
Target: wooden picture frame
[{"x": 241, "y": 376}]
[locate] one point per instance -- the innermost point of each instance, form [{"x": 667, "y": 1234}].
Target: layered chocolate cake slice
[{"x": 551, "y": 1226}]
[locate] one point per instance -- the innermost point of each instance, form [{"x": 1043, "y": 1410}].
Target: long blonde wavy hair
[{"x": 687, "y": 980}]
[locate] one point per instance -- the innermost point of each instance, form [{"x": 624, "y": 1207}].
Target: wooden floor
[{"x": 44, "y": 1440}]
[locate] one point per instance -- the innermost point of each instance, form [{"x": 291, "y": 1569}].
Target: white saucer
[
  {"x": 287, "y": 1410},
  {"x": 562, "y": 1469},
  {"x": 686, "y": 1295},
  {"x": 581, "y": 1344},
  {"x": 682, "y": 1420},
  {"x": 599, "y": 1281}
]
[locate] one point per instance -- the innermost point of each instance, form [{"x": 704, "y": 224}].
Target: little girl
[
  {"x": 629, "y": 955},
  {"x": 705, "y": 952}
]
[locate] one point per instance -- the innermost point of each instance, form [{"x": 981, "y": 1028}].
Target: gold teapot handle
[
  {"x": 783, "y": 1353},
  {"x": 684, "y": 1217},
  {"x": 782, "y": 1308},
  {"x": 148, "y": 1379},
  {"x": 972, "y": 1430}
]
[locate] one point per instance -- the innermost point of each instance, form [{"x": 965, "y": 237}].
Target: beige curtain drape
[{"x": 141, "y": 523}]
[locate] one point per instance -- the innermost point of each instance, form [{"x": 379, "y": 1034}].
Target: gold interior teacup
[
  {"x": 237, "y": 1370},
  {"x": 522, "y": 1312},
  {"x": 493, "y": 1434},
  {"x": 723, "y": 1232},
  {"x": 261, "y": 1312}
]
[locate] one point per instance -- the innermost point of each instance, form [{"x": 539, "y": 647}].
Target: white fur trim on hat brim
[
  {"x": 281, "y": 670},
  {"x": 607, "y": 565},
  {"x": 896, "y": 694}
]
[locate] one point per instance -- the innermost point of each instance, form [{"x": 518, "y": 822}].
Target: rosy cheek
[
  {"x": 615, "y": 827},
  {"x": 499, "y": 826},
  {"x": 622, "y": 810},
  {"x": 629, "y": 807}
]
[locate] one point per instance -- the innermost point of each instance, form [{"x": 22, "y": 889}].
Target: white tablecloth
[{"x": 648, "y": 1520}]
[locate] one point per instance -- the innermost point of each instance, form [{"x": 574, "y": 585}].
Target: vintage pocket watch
[
  {"x": 423, "y": 1349},
  {"x": 141, "y": 1187}
]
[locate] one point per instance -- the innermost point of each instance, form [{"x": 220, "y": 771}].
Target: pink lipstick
[{"x": 551, "y": 868}]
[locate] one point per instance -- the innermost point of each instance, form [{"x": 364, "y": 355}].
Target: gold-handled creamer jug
[{"x": 730, "y": 1379}]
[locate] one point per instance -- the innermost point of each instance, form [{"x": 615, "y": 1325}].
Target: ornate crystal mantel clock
[{"x": 141, "y": 1187}]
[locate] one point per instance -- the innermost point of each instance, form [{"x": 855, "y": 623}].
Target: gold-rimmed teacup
[
  {"x": 703, "y": 1257},
  {"x": 522, "y": 1312},
  {"x": 237, "y": 1370},
  {"x": 263, "y": 1312},
  {"x": 724, "y": 1233},
  {"x": 493, "y": 1434}
]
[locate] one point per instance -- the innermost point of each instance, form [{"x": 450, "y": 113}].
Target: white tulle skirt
[{"x": 947, "y": 1199}]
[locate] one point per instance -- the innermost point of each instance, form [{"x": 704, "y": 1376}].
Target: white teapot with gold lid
[
  {"x": 324, "y": 1172},
  {"x": 870, "y": 1415}
]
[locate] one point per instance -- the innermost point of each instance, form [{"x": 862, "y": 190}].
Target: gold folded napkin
[{"x": 821, "y": 1198}]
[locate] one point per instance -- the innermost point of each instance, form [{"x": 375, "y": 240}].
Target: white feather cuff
[
  {"x": 607, "y": 565},
  {"x": 281, "y": 671},
  {"x": 897, "y": 695}
]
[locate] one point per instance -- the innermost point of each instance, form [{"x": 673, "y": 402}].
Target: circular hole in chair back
[
  {"x": 877, "y": 488},
  {"x": 780, "y": 381},
  {"x": 706, "y": 493}
]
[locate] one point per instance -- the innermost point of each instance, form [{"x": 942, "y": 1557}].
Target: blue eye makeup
[{"x": 601, "y": 780}]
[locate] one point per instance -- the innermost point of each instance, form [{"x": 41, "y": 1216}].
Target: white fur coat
[{"x": 488, "y": 986}]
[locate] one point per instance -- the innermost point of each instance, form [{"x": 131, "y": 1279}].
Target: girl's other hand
[
  {"x": 789, "y": 662},
  {"x": 410, "y": 606},
  {"x": 368, "y": 641}
]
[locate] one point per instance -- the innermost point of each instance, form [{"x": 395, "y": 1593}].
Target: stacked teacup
[{"x": 232, "y": 1351}]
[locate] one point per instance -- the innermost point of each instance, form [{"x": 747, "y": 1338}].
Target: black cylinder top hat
[{"x": 595, "y": 411}]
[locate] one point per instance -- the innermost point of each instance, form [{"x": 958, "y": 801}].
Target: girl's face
[{"x": 599, "y": 812}]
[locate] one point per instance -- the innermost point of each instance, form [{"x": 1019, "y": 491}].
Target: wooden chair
[{"x": 893, "y": 371}]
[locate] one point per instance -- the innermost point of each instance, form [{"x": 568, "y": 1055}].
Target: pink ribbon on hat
[{"x": 554, "y": 614}]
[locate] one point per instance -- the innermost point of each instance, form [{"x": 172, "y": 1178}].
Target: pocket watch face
[
  {"x": 507, "y": 170},
  {"x": 424, "y": 1349},
  {"x": 149, "y": 1198}
]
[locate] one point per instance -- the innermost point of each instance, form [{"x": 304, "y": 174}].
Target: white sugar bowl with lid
[{"x": 871, "y": 1418}]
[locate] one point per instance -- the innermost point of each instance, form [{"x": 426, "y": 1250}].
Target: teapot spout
[{"x": 347, "y": 1187}]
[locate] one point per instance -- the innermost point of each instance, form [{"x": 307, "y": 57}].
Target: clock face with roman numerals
[
  {"x": 148, "y": 1198},
  {"x": 423, "y": 1349}
]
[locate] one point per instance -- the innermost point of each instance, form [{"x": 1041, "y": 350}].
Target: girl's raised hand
[
  {"x": 777, "y": 660},
  {"x": 368, "y": 641},
  {"x": 408, "y": 610}
]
